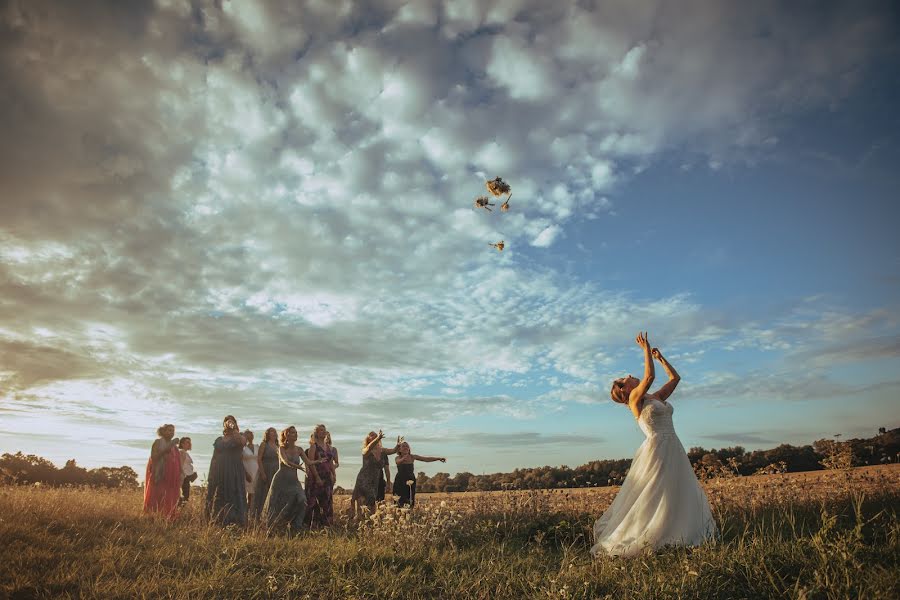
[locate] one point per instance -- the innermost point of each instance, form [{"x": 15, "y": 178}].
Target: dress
[
  {"x": 162, "y": 487},
  {"x": 661, "y": 501},
  {"x": 366, "y": 488},
  {"x": 319, "y": 493},
  {"x": 270, "y": 466},
  {"x": 248, "y": 455},
  {"x": 286, "y": 503},
  {"x": 226, "y": 501},
  {"x": 382, "y": 485},
  {"x": 406, "y": 492}
]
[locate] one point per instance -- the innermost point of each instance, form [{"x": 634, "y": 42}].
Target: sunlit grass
[{"x": 828, "y": 535}]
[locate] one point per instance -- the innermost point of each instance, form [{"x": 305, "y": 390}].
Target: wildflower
[{"x": 499, "y": 245}]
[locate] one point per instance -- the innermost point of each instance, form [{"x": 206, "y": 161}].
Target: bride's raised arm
[
  {"x": 666, "y": 390},
  {"x": 637, "y": 394}
]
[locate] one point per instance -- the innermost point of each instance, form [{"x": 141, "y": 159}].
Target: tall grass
[{"x": 837, "y": 536}]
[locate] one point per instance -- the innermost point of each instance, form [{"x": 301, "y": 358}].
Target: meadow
[{"x": 826, "y": 534}]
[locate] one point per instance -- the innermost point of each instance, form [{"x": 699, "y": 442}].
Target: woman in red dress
[{"x": 162, "y": 486}]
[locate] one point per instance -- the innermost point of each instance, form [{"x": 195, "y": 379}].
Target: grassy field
[{"x": 833, "y": 534}]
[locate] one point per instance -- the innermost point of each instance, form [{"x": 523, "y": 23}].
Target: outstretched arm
[
  {"x": 429, "y": 458},
  {"x": 374, "y": 441},
  {"x": 309, "y": 463},
  {"x": 637, "y": 394},
  {"x": 666, "y": 390}
]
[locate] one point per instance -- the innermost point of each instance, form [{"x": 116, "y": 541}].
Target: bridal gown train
[{"x": 661, "y": 501}]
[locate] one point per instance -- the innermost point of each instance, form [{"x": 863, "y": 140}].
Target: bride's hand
[
  {"x": 656, "y": 354},
  {"x": 641, "y": 340}
]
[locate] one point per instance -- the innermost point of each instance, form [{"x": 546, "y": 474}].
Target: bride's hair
[{"x": 617, "y": 392}]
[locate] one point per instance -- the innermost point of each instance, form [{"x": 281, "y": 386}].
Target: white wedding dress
[{"x": 661, "y": 501}]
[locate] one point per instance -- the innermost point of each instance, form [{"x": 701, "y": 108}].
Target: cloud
[
  {"x": 265, "y": 208},
  {"x": 519, "y": 439},
  {"x": 546, "y": 237},
  {"x": 747, "y": 437}
]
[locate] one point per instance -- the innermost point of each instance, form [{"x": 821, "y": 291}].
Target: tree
[
  {"x": 30, "y": 469},
  {"x": 439, "y": 482}
]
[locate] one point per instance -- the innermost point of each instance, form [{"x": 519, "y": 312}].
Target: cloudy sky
[{"x": 265, "y": 209}]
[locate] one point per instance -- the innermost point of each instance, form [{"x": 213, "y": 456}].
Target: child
[{"x": 187, "y": 468}]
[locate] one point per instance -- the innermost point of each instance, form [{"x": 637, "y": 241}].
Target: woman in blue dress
[
  {"x": 226, "y": 499},
  {"x": 267, "y": 458}
]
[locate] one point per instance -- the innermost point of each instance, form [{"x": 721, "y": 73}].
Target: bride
[{"x": 661, "y": 501}]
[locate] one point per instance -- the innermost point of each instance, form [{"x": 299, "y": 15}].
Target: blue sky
[{"x": 266, "y": 210}]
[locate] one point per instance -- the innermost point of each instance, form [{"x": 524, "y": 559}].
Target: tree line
[
  {"x": 28, "y": 469},
  {"x": 821, "y": 454}
]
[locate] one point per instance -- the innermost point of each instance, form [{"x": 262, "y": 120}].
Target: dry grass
[{"x": 823, "y": 535}]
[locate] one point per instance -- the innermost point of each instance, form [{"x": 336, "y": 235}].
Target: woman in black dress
[{"x": 405, "y": 480}]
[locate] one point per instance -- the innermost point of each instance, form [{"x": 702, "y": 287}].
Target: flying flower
[
  {"x": 499, "y": 245},
  {"x": 505, "y": 206},
  {"x": 498, "y": 187},
  {"x": 483, "y": 202}
]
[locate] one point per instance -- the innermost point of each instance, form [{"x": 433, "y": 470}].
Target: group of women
[
  {"x": 247, "y": 483},
  {"x": 660, "y": 503}
]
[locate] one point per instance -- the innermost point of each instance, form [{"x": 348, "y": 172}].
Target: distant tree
[
  {"x": 114, "y": 477},
  {"x": 29, "y": 469},
  {"x": 439, "y": 482},
  {"x": 696, "y": 453},
  {"x": 460, "y": 482}
]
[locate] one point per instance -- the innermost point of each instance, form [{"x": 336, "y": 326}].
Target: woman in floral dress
[{"x": 320, "y": 490}]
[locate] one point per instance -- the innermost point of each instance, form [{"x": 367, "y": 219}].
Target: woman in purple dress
[{"x": 320, "y": 490}]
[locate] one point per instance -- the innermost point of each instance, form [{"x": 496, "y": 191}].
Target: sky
[{"x": 266, "y": 210}]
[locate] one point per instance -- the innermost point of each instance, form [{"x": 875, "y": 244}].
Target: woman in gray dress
[
  {"x": 226, "y": 500},
  {"x": 285, "y": 506},
  {"x": 267, "y": 459},
  {"x": 365, "y": 492}
]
